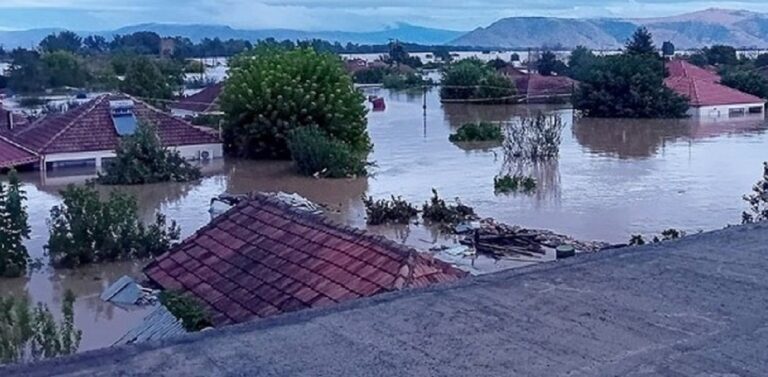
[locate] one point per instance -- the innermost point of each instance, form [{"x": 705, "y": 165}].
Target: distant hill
[
  {"x": 402, "y": 31},
  {"x": 693, "y": 30}
]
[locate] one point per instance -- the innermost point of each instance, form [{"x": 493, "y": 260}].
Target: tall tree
[
  {"x": 144, "y": 79},
  {"x": 641, "y": 43},
  {"x": 580, "y": 63},
  {"x": 64, "y": 41},
  {"x": 14, "y": 228},
  {"x": 548, "y": 64},
  {"x": 95, "y": 44},
  {"x": 64, "y": 68},
  {"x": 721, "y": 55}
]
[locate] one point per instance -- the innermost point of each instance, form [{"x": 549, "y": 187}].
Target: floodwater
[{"x": 614, "y": 178}]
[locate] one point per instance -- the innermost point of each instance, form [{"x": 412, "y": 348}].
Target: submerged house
[
  {"x": 263, "y": 258},
  {"x": 89, "y": 134},
  {"x": 537, "y": 88},
  {"x": 203, "y": 102},
  {"x": 708, "y": 98}
]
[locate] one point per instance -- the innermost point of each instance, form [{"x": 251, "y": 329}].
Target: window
[
  {"x": 737, "y": 112},
  {"x": 756, "y": 110}
]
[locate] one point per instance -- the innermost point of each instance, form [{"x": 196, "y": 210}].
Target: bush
[
  {"x": 85, "y": 229},
  {"x": 438, "y": 211},
  {"x": 534, "y": 138},
  {"x": 14, "y": 228},
  {"x": 191, "y": 313},
  {"x": 746, "y": 81},
  {"x": 400, "y": 81},
  {"x": 396, "y": 210},
  {"x": 483, "y": 131},
  {"x": 507, "y": 184},
  {"x": 370, "y": 75},
  {"x": 142, "y": 159},
  {"x": 315, "y": 153},
  {"x": 32, "y": 102},
  {"x": 471, "y": 79},
  {"x": 28, "y": 334},
  {"x": 272, "y": 92},
  {"x": 757, "y": 201}
]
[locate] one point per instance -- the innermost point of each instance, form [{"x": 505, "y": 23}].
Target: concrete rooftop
[{"x": 693, "y": 307}]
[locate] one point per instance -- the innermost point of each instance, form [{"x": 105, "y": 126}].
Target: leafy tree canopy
[
  {"x": 641, "y": 43},
  {"x": 273, "y": 91},
  {"x": 721, "y": 55},
  {"x": 548, "y": 64},
  {"x": 580, "y": 63},
  {"x": 14, "y": 228},
  {"x": 142, "y": 159},
  {"x": 471, "y": 79},
  {"x": 63, "y": 41}
]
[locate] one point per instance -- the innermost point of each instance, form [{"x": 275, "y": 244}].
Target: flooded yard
[{"x": 614, "y": 178}]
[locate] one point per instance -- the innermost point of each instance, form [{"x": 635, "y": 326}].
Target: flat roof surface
[{"x": 692, "y": 307}]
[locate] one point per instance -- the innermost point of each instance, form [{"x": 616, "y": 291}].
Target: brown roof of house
[
  {"x": 708, "y": 93},
  {"x": 12, "y": 154},
  {"x": 681, "y": 68},
  {"x": 537, "y": 85},
  {"x": 204, "y": 101},
  {"x": 89, "y": 127},
  {"x": 264, "y": 258}
]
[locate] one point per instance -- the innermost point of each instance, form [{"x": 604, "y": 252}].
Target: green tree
[
  {"x": 721, "y": 55},
  {"x": 64, "y": 69},
  {"x": 144, "y": 79},
  {"x": 497, "y": 64},
  {"x": 668, "y": 48},
  {"x": 64, "y": 41},
  {"x": 14, "y": 228},
  {"x": 26, "y": 73},
  {"x": 85, "y": 229},
  {"x": 142, "y": 159},
  {"x": 628, "y": 86},
  {"x": 698, "y": 59},
  {"x": 747, "y": 81},
  {"x": 272, "y": 92},
  {"x": 548, "y": 64},
  {"x": 641, "y": 43},
  {"x": 30, "y": 334},
  {"x": 580, "y": 63},
  {"x": 95, "y": 44},
  {"x": 471, "y": 79},
  {"x": 761, "y": 60},
  {"x": 757, "y": 200}
]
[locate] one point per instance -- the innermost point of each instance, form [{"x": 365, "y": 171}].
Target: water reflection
[{"x": 633, "y": 138}]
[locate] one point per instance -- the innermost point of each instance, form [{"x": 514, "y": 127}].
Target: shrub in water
[
  {"x": 29, "y": 334},
  {"x": 534, "y": 138},
  {"x": 436, "y": 210},
  {"x": 142, "y": 159},
  {"x": 757, "y": 200},
  {"x": 191, "y": 313},
  {"x": 506, "y": 184},
  {"x": 315, "y": 153},
  {"x": 85, "y": 229},
  {"x": 482, "y": 131},
  {"x": 14, "y": 228},
  {"x": 396, "y": 210}
]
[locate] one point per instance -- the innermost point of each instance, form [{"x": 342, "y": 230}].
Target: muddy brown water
[{"x": 613, "y": 178}]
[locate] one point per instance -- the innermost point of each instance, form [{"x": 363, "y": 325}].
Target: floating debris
[
  {"x": 225, "y": 201},
  {"x": 126, "y": 291}
]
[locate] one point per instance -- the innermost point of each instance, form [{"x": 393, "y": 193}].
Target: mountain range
[{"x": 692, "y": 30}]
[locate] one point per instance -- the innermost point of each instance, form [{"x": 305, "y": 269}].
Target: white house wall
[
  {"x": 723, "y": 111},
  {"x": 189, "y": 152}
]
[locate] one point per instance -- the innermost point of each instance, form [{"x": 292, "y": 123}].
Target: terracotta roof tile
[
  {"x": 89, "y": 127},
  {"x": 203, "y": 101},
  {"x": 263, "y": 258}
]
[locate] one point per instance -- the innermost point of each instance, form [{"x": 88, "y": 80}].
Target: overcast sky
[{"x": 330, "y": 14}]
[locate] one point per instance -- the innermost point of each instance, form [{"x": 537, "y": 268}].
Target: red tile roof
[
  {"x": 12, "y": 154},
  {"x": 89, "y": 127},
  {"x": 681, "y": 68},
  {"x": 536, "y": 85},
  {"x": 204, "y": 101},
  {"x": 707, "y": 93},
  {"x": 264, "y": 258}
]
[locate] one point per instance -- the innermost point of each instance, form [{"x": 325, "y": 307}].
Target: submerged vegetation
[
  {"x": 142, "y": 159},
  {"x": 14, "y": 228},
  {"x": 534, "y": 138},
  {"x": 757, "y": 200},
  {"x": 477, "y": 132},
  {"x": 85, "y": 229},
  {"x": 471, "y": 80},
  {"x": 394, "y": 211},
  {"x": 517, "y": 183},
  {"x": 31, "y": 334},
  {"x": 315, "y": 153},
  {"x": 436, "y": 210},
  {"x": 191, "y": 313},
  {"x": 666, "y": 235}
]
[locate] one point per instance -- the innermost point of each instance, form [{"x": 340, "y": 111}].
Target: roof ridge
[
  {"x": 95, "y": 102},
  {"x": 18, "y": 145}
]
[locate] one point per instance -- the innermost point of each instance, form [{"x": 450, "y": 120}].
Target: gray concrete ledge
[{"x": 692, "y": 307}]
